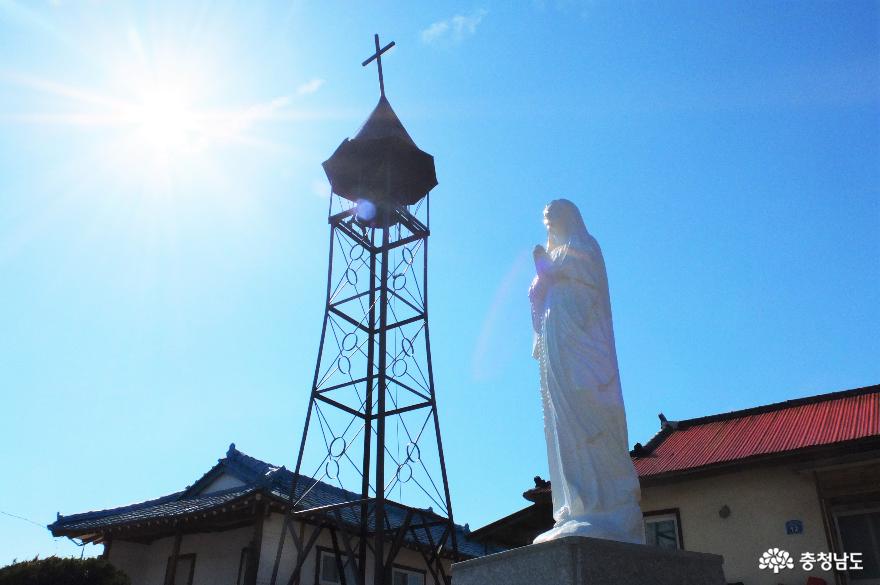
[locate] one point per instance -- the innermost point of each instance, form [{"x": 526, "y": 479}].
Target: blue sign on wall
[{"x": 794, "y": 527}]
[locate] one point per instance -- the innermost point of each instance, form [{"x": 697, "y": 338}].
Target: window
[
  {"x": 406, "y": 576},
  {"x": 662, "y": 528},
  {"x": 186, "y": 566},
  {"x": 328, "y": 570},
  {"x": 859, "y": 531},
  {"x": 242, "y": 566}
]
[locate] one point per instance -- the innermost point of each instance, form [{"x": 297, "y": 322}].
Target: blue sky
[{"x": 163, "y": 227}]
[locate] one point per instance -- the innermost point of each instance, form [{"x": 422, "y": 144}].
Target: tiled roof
[
  {"x": 257, "y": 476},
  {"x": 789, "y": 426},
  {"x": 173, "y": 506}
]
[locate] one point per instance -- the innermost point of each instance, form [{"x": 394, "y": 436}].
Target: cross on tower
[{"x": 377, "y": 56}]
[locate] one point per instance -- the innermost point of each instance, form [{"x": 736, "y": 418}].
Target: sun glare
[
  {"x": 158, "y": 115},
  {"x": 161, "y": 116},
  {"x": 164, "y": 120}
]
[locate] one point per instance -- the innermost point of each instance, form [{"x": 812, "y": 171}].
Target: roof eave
[
  {"x": 57, "y": 528},
  {"x": 793, "y": 403},
  {"x": 795, "y": 455}
]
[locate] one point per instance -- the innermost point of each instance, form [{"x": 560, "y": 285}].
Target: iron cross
[{"x": 377, "y": 56}]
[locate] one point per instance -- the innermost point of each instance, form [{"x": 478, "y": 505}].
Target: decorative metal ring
[
  {"x": 351, "y": 276},
  {"x": 398, "y": 368},
  {"x": 407, "y": 255},
  {"x": 413, "y": 453},
  {"x": 398, "y": 281},
  {"x": 332, "y": 469},
  {"x": 349, "y": 341},
  {"x": 356, "y": 252},
  {"x": 344, "y": 364},
  {"x": 404, "y": 473},
  {"x": 406, "y": 346},
  {"x": 337, "y": 447}
]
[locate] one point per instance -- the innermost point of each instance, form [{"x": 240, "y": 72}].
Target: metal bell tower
[{"x": 372, "y": 429}]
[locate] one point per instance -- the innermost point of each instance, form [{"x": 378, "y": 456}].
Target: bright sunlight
[
  {"x": 165, "y": 120},
  {"x": 155, "y": 109}
]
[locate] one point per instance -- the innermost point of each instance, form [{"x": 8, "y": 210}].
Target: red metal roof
[{"x": 775, "y": 428}]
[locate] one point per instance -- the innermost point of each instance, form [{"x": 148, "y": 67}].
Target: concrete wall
[
  {"x": 129, "y": 557},
  {"x": 271, "y": 533},
  {"x": 218, "y": 555},
  {"x": 224, "y": 482},
  {"x": 760, "y": 502}
]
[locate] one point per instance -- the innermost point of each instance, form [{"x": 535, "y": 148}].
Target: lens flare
[{"x": 366, "y": 210}]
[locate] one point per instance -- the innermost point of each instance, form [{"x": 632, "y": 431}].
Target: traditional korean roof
[
  {"x": 783, "y": 428},
  {"x": 172, "y": 506},
  {"x": 258, "y": 477}
]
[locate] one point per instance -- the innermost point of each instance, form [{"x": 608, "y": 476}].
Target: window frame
[
  {"x": 408, "y": 569},
  {"x": 665, "y": 514},
  {"x": 320, "y": 552},
  {"x": 853, "y": 510},
  {"x": 192, "y": 568},
  {"x": 242, "y": 565}
]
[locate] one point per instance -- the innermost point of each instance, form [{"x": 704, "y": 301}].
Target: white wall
[
  {"x": 129, "y": 557},
  {"x": 760, "y": 502},
  {"x": 224, "y": 482},
  {"x": 271, "y": 533},
  {"x": 218, "y": 555}
]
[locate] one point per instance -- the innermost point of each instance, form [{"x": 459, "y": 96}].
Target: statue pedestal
[{"x": 576, "y": 560}]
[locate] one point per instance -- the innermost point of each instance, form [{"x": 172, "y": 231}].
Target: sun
[
  {"x": 158, "y": 115},
  {"x": 164, "y": 119}
]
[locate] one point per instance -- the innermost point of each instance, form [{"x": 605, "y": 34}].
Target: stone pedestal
[{"x": 576, "y": 560}]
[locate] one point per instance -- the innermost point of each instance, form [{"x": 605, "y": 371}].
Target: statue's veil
[
  {"x": 568, "y": 225},
  {"x": 569, "y": 242}
]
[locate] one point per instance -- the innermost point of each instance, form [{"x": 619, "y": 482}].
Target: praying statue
[{"x": 593, "y": 481}]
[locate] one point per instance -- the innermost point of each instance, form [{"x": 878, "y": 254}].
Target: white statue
[{"x": 594, "y": 484}]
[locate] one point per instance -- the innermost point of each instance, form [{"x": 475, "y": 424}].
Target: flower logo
[{"x": 775, "y": 559}]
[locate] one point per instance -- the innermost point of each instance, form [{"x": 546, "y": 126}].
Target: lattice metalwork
[{"x": 372, "y": 428}]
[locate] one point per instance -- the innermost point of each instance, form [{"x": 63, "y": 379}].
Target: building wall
[
  {"x": 129, "y": 557},
  {"x": 271, "y": 534},
  {"x": 224, "y": 482},
  {"x": 761, "y": 501},
  {"x": 218, "y": 555}
]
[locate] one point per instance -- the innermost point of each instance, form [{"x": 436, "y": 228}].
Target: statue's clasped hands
[{"x": 542, "y": 259}]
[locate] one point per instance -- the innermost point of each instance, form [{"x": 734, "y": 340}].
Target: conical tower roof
[
  {"x": 382, "y": 163},
  {"x": 382, "y": 123}
]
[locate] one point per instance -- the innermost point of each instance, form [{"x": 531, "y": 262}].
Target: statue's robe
[{"x": 594, "y": 484}]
